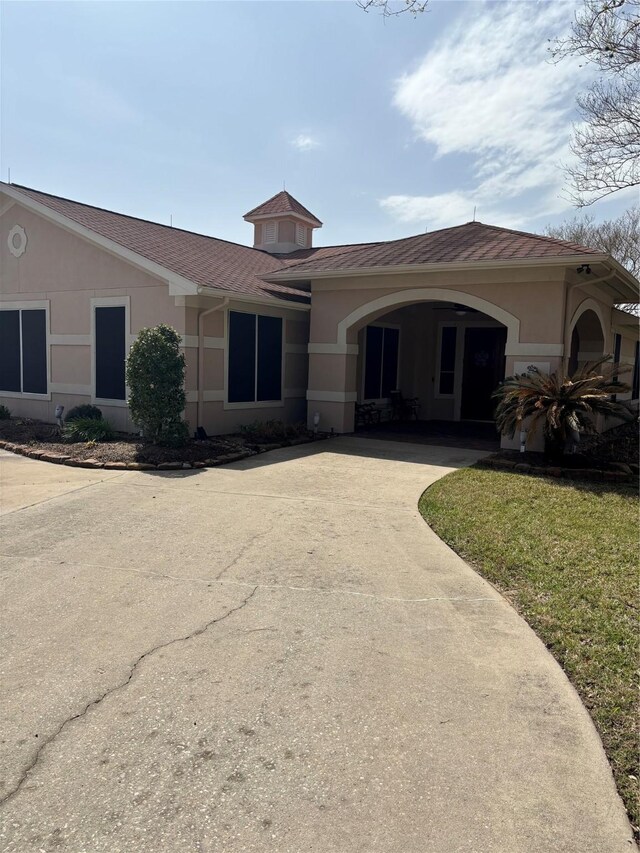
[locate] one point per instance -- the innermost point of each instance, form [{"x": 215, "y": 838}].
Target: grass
[{"x": 566, "y": 556}]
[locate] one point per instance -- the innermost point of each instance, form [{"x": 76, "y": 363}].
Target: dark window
[
  {"x": 34, "y": 352},
  {"x": 391, "y": 345},
  {"x": 23, "y": 351},
  {"x": 255, "y": 358},
  {"x": 110, "y": 352},
  {"x": 10, "y": 351},
  {"x": 617, "y": 345},
  {"x": 636, "y": 374},
  {"x": 373, "y": 363},
  {"x": 381, "y": 362},
  {"x": 269, "y": 386},
  {"x": 447, "y": 360}
]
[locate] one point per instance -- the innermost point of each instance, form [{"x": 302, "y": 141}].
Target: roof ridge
[
  {"x": 136, "y": 218},
  {"x": 262, "y": 203},
  {"x": 294, "y": 206},
  {"x": 545, "y": 237}
]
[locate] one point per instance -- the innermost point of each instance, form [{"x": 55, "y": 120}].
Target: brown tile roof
[
  {"x": 320, "y": 252},
  {"x": 473, "y": 241},
  {"x": 206, "y": 261},
  {"x": 281, "y": 202}
]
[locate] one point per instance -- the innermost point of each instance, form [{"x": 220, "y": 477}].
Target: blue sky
[{"x": 382, "y": 128}]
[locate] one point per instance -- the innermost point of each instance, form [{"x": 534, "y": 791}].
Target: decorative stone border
[
  {"x": 224, "y": 459},
  {"x": 621, "y": 474}
]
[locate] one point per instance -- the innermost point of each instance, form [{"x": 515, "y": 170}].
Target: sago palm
[{"x": 563, "y": 405}]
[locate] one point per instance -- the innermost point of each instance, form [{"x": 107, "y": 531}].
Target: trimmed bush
[
  {"x": 155, "y": 376},
  {"x": 86, "y": 410},
  {"x": 5, "y": 414},
  {"x": 87, "y": 429},
  {"x": 275, "y": 430}
]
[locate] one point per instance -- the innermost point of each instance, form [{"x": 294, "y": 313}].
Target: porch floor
[{"x": 473, "y": 435}]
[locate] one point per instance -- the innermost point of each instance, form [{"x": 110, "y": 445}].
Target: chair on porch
[
  {"x": 367, "y": 414},
  {"x": 404, "y": 408}
]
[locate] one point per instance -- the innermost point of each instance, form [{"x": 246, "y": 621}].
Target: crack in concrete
[
  {"x": 241, "y": 553},
  {"x": 95, "y": 702}
]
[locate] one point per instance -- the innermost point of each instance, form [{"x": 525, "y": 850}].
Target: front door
[{"x": 483, "y": 370}]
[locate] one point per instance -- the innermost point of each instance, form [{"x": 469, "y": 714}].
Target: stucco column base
[
  {"x": 519, "y": 364},
  {"x": 332, "y": 390},
  {"x": 339, "y": 417}
]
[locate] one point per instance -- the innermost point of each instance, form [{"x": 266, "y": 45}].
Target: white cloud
[
  {"x": 488, "y": 92},
  {"x": 445, "y": 209},
  {"x": 304, "y": 142}
]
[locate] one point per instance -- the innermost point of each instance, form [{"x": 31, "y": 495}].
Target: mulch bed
[
  {"x": 610, "y": 456},
  {"x": 40, "y": 440}
]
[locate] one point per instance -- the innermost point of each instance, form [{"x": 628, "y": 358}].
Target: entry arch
[
  {"x": 586, "y": 329},
  {"x": 401, "y": 298}
]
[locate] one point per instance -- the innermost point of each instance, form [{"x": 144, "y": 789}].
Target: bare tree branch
[
  {"x": 390, "y": 9},
  {"x": 619, "y": 238},
  {"x": 606, "y": 144}
]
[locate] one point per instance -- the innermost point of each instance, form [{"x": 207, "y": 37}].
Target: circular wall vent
[{"x": 17, "y": 241}]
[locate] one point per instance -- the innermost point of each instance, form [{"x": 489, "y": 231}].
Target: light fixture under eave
[{"x": 460, "y": 312}]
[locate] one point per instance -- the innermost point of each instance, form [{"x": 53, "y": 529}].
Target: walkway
[{"x": 276, "y": 656}]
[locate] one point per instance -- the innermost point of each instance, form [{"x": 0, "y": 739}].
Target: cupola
[{"x": 282, "y": 225}]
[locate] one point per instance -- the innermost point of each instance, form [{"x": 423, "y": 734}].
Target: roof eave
[
  {"x": 237, "y": 296},
  {"x": 308, "y": 274},
  {"x": 178, "y": 285},
  {"x": 248, "y": 217}
]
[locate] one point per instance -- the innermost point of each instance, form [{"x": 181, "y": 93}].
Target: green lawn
[{"x": 566, "y": 556}]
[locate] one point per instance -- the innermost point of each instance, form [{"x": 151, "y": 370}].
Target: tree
[
  {"x": 619, "y": 238},
  {"x": 606, "y": 144},
  {"x": 389, "y": 10},
  {"x": 155, "y": 376},
  {"x": 564, "y": 405}
]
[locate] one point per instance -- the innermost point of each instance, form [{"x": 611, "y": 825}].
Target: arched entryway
[
  {"x": 587, "y": 338},
  {"x": 444, "y": 347},
  {"x": 445, "y": 357}
]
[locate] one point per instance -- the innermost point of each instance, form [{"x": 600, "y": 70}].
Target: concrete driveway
[{"x": 276, "y": 656}]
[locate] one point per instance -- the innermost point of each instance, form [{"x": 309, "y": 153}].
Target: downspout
[
  {"x": 200, "y": 376},
  {"x": 567, "y": 318}
]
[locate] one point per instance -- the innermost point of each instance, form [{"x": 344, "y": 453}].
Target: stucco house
[{"x": 283, "y": 330}]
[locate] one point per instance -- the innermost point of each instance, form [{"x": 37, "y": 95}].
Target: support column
[
  {"x": 332, "y": 386},
  {"x": 548, "y": 359}
]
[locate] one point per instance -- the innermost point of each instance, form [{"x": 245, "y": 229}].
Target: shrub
[
  {"x": 155, "y": 376},
  {"x": 563, "y": 405},
  {"x": 272, "y": 431},
  {"x": 86, "y": 410},
  {"x": 175, "y": 434},
  {"x": 5, "y": 414},
  {"x": 87, "y": 429}
]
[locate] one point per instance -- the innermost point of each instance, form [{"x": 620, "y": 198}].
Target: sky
[{"x": 194, "y": 113}]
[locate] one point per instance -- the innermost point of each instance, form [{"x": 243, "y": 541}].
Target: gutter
[{"x": 294, "y": 274}]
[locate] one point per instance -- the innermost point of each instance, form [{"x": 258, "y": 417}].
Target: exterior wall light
[{"x": 316, "y": 421}]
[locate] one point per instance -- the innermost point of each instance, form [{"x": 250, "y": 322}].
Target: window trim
[
  {"x": 255, "y": 404},
  {"x": 380, "y": 401},
  {"x": 31, "y": 305},
  {"x": 109, "y": 302}
]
